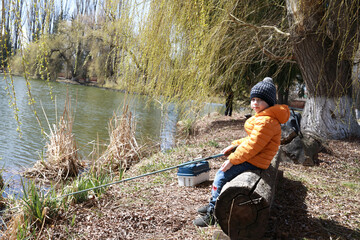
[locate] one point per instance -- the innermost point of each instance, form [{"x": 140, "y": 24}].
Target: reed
[
  {"x": 1, "y": 180},
  {"x": 123, "y": 149},
  {"x": 62, "y": 160}
]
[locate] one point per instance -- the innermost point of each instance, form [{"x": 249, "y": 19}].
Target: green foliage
[
  {"x": 186, "y": 127},
  {"x": 151, "y": 167},
  {"x": 37, "y": 205},
  {"x": 98, "y": 179},
  {"x": 5, "y": 51},
  {"x": 22, "y": 230},
  {"x": 73, "y": 220},
  {"x": 189, "y": 51},
  {"x": 213, "y": 143},
  {"x": 87, "y": 181},
  {"x": 179, "y": 50},
  {"x": 80, "y": 184},
  {"x": 352, "y": 186}
]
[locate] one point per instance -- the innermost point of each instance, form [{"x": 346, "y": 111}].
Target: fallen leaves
[{"x": 320, "y": 202}]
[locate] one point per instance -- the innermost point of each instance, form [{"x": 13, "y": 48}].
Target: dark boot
[
  {"x": 203, "y": 210},
  {"x": 205, "y": 221}
]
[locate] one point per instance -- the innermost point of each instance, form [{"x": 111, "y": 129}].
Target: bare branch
[{"x": 242, "y": 23}]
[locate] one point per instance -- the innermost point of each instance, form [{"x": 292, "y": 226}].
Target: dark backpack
[{"x": 294, "y": 122}]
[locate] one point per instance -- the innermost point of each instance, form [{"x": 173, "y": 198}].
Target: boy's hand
[
  {"x": 228, "y": 150},
  {"x": 226, "y": 166}
]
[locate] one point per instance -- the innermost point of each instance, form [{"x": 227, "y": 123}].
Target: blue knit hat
[{"x": 265, "y": 90}]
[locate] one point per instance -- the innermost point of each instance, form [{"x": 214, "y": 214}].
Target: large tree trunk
[
  {"x": 331, "y": 118},
  {"x": 326, "y": 70},
  {"x": 356, "y": 84}
]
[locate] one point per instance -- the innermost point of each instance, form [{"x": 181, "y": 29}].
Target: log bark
[{"x": 243, "y": 207}]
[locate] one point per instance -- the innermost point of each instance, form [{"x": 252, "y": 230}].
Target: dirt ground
[{"x": 320, "y": 202}]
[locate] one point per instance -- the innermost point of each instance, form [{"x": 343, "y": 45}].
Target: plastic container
[{"x": 193, "y": 174}]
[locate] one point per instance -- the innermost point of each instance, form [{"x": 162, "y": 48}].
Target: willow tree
[
  {"x": 325, "y": 37},
  {"x": 192, "y": 47},
  {"x": 323, "y": 40},
  {"x": 189, "y": 50}
]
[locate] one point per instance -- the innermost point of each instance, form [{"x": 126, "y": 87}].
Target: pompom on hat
[{"x": 265, "y": 90}]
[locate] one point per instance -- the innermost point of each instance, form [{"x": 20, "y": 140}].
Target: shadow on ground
[{"x": 291, "y": 220}]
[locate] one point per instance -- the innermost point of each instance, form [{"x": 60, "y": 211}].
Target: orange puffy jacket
[{"x": 263, "y": 140}]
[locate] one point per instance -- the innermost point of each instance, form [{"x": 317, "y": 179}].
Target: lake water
[{"x": 93, "y": 108}]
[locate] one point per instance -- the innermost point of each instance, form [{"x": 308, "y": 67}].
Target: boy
[{"x": 254, "y": 151}]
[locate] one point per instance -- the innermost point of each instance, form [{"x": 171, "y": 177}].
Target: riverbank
[
  {"x": 114, "y": 87},
  {"x": 93, "y": 108},
  {"x": 69, "y": 81},
  {"x": 320, "y": 202}
]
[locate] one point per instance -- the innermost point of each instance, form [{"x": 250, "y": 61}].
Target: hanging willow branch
[{"x": 183, "y": 51}]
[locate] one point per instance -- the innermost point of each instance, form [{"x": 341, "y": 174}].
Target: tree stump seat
[{"x": 243, "y": 207}]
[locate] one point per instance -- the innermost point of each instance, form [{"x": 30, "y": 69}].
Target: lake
[{"x": 93, "y": 108}]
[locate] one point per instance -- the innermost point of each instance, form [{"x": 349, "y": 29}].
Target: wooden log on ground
[{"x": 243, "y": 207}]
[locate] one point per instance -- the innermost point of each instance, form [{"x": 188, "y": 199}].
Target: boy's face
[{"x": 257, "y": 104}]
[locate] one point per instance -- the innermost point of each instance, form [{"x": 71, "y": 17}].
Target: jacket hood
[{"x": 279, "y": 112}]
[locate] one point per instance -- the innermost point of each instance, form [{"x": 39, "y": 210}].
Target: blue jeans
[{"x": 223, "y": 177}]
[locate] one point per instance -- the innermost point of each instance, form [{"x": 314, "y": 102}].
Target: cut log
[{"x": 243, "y": 207}]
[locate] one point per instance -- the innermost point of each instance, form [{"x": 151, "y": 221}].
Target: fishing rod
[
  {"x": 196, "y": 160},
  {"x": 144, "y": 175}
]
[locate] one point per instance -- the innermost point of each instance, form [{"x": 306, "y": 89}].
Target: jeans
[{"x": 221, "y": 178}]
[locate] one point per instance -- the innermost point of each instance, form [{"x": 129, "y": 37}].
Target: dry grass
[
  {"x": 14, "y": 224},
  {"x": 62, "y": 160},
  {"x": 123, "y": 149}
]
